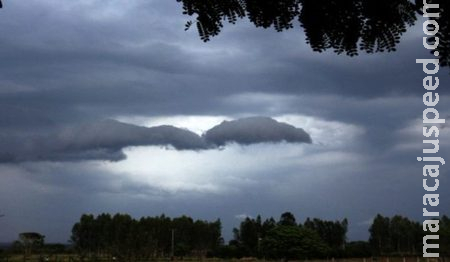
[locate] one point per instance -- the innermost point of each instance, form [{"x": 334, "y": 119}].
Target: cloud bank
[
  {"x": 104, "y": 140},
  {"x": 255, "y": 130}
]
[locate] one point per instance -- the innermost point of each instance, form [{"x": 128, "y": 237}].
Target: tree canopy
[
  {"x": 288, "y": 239},
  {"x": 397, "y": 234},
  {"x": 128, "y": 239},
  {"x": 345, "y": 26}
]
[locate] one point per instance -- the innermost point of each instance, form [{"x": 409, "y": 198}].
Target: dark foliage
[
  {"x": 287, "y": 239},
  {"x": 345, "y": 26},
  {"x": 128, "y": 239},
  {"x": 292, "y": 242},
  {"x": 358, "y": 249},
  {"x": 333, "y": 233},
  {"x": 397, "y": 235}
]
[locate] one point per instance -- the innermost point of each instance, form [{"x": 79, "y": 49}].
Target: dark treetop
[{"x": 345, "y": 26}]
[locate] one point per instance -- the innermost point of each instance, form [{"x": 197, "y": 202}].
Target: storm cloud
[
  {"x": 255, "y": 130},
  {"x": 104, "y": 140}
]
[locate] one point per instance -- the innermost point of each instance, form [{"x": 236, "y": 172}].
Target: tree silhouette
[
  {"x": 345, "y": 26},
  {"x": 293, "y": 243},
  {"x": 287, "y": 219},
  {"x": 31, "y": 241},
  {"x": 333, "y": 233},
  {"x": 129, "y": 239},
  {"x": 397, "y": 234}
]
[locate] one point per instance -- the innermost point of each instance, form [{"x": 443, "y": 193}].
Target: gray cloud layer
[
  {"x": 255, "y": 130},
  {"x": 104, "y": 140}
]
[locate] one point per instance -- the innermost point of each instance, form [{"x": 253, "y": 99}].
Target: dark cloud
[
  {"x": 104, "y": 140},
  {"x": 63, "y": 63},
  {"x": 255, "y": 130},
  {"x": 80, "y": 60},
  {"x": 101, "y": 140}
]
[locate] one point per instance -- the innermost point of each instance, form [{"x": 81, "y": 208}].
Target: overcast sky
[{"x": 106, "y": 107}]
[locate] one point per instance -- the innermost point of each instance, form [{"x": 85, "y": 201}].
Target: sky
[{"x": 106, "y": 107}]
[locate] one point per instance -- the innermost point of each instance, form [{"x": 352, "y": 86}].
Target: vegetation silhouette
[
  {"x": 345, "y": 26},
  {"x": 126, "y": 238},
  {"x": 31, "y": 241},
  {"x": 120, "y": 237}
]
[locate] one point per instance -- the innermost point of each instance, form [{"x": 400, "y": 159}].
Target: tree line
[
  {"x": 124, "y": 238},
  {"x": 317, "y": 238},
  {"x": 286, "y": 238},
  {"x": 128, "y": 239},
  {"x": 399, "y": 235}
]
